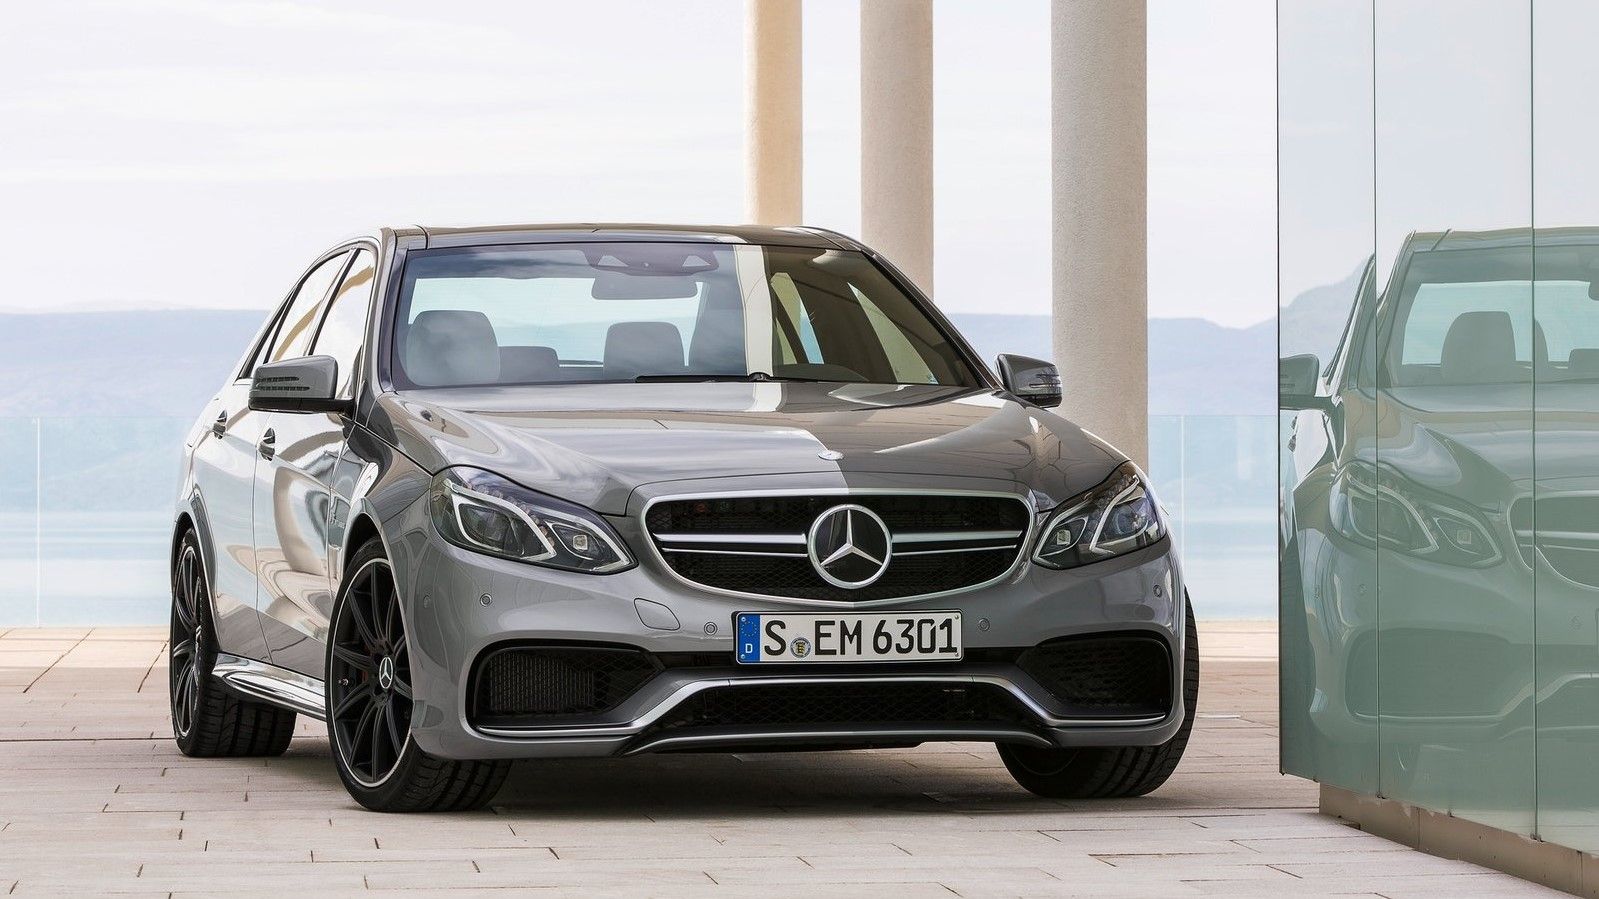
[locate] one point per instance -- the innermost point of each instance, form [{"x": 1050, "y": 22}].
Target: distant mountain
[
  {"x": 125, "y": 364},
  {"x": 1313, "y": 321},
  {"x": 1196, "y": 367},
  {"x": 168, "y": 362}
]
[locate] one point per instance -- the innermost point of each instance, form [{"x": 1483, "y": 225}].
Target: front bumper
[{"x": 459, "y": 604}]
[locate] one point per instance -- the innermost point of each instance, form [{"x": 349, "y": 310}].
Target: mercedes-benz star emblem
[
  {"x": 849, "y": 546},
  {"x": 830, "y": 455}
]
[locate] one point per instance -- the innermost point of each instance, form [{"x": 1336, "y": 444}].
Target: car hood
[
  {"x": 595, "y": 444},
  {"x": 1483, "y": 443}
]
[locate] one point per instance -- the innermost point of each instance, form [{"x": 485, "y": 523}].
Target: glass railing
[{"x": 86, "y": 513}]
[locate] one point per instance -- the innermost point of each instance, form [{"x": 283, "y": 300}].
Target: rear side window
[
  {"x": 344, "y": 326},
  {"x": 298, "y": 324}
]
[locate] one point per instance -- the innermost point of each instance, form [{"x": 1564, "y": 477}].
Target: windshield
[
  {"x": 1473, "y": 317},
  {"x": 555, "y": 313}
]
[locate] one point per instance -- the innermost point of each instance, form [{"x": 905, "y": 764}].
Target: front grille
[
  {"x": 862, "y": 704},
  {"x": 1114, "y": 675},
  {"x": 524, "y": 683},
  {"x": 1564, "y": 529},
  {"x": 757, "y": 545}
]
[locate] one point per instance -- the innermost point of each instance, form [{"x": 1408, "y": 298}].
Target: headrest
[
  {"x": 447, "y": 347},
  {"x": 642, "y": 348},
  {"x": 1480, "y": 348},
  {"x": 524, "y": 364}
]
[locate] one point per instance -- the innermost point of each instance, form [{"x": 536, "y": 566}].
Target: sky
[{"x": 198, "y": 153}]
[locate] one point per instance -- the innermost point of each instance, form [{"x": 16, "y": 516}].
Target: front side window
[
  {"x": 292, "y": 337},
  {"x": 661, "y": 311},
  {"x": 344, "y": 327}
]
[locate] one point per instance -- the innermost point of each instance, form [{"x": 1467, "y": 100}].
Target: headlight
[
  {"x": 1116, "y": 517},
  {"x": 1375, "y": 506},
  {"x": 486, "y": 513}
]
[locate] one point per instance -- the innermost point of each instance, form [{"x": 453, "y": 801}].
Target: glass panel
[
  {"x": 1227, "y": 487},
  {"x": 344, "y": 327},
  {"x": 18, "y": 523},
  {"x": 107, "y": 494},
  {"x": 293, "y": 338},
  {"x": 1327, "y": 616},
  {"x": 1566, "y": 384},
  {"x": 1455, "y": 352}
]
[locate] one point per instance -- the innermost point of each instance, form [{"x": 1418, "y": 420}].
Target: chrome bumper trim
[{"x": 733, "y": 739}]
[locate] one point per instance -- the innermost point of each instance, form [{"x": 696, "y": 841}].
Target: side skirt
[{"x": 279, "y": 686}]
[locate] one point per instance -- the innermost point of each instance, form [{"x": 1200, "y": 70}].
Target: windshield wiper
[{"x": 752, "y": 377}]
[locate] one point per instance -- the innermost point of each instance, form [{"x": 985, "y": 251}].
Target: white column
[
  {"x": 1101, "y": 304},
  {"x": 774, "y": 134},
  {"x": 897, "y": 134}
]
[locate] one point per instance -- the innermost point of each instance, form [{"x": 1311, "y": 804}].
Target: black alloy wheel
[
  {"x": 208, "y": 718},
  {"x": 369, "y": 680},
  {"x": 371, "y": 704},
  {"x": 185, "y": 636}
]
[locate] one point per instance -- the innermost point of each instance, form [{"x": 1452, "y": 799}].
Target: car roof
[
  {"x": 590, "y": 232},
  {"x": 1425, "y": 241}
]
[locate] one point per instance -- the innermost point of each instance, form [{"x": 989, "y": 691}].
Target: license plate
[{"x": 849, "y": 637}]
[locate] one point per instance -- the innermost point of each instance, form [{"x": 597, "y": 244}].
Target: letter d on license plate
[{"x": 765, "y": 637}]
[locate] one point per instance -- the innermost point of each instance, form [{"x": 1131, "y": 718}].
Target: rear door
[
  {"x": 224, "y": 477},
  {"x": 293, "y": 499}
]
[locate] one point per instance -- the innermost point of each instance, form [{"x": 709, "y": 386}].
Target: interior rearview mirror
[
  {"x": 307, "y": 384},
  {"x": 1297, "y": 379},
  {"x": 1033, "y": 380}
]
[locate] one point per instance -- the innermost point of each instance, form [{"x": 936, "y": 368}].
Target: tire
[
  {"x": 369, "y": 701},
  {"x": 208, "y": 720},
  {"x": 1110, "y": 772}
]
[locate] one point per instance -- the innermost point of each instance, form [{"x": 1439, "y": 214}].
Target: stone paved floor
[{"x": 95, "y": 799}]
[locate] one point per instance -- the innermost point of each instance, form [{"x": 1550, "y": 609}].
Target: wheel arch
[
  {"x": 191, "y": 517},
  {"x": 363, "y": 527}
]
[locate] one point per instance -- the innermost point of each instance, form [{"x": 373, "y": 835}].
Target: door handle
[
  {"x": 220, "y": 426},
  {"x": 268, "y": 445}
]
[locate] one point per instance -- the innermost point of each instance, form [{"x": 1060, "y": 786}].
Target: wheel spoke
[
  {"x": 185, "y": 692},
  {"x": 362, "y": 693},
  {"x": 379, "y": 713},
  {"x": 363, "y": 731},
  {"x": 401, "y": 687},
  {"x": 396, "y": 739},
  {"x": 359, "y": 614},
  {"x": 183, "y": 593},
  {"x": 354, "y": 659},
  {"x": 183, "y": 649},
  {"x": 390, "y": 619},
  {"x": 186, "y": 578},
  {"x": 185, "y": 672}
]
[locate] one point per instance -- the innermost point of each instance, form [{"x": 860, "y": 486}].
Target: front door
[{"x": 293, "y": 495}]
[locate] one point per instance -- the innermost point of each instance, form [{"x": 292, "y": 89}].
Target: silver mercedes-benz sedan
[{"x": 486, "y": 494}]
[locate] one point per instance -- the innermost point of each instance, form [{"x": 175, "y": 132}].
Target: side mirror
[
  {"x": 307, "y": 384},
  {"x": 1297, "y": 378},
  {"x": 1033, "y": 380}
]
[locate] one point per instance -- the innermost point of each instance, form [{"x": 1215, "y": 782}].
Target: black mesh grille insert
[
  {"x": 518, "y": 683},
  {"x": 788, "y": 705},
  {"x": 915, "y": 568},
  {"x": 1114, "y": 674}
]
